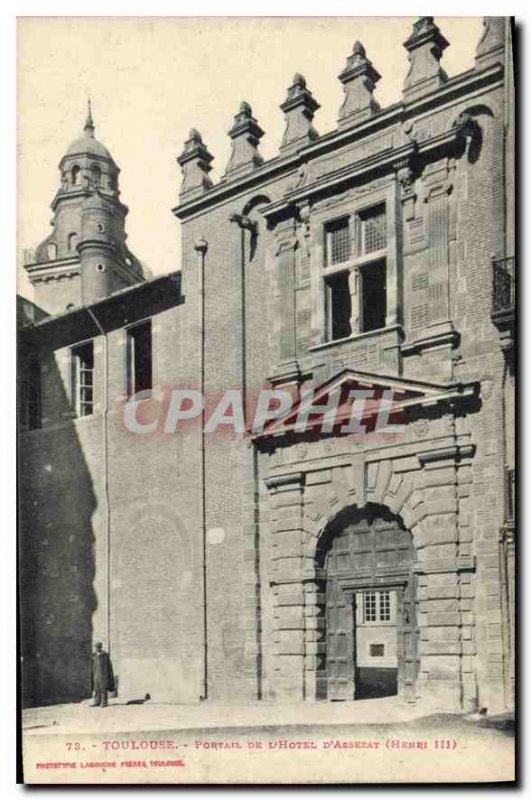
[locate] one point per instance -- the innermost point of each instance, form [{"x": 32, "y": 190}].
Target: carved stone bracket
[
  {"x": 303, "y": 216},
  {"x": 406, "y": 174},
  {"x": 468, "y": 131}
]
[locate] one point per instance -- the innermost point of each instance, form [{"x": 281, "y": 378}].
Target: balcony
[{"x": 503, "y": 298}]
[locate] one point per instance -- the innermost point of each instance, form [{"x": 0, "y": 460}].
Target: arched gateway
[{"x": 364, "y": 562}]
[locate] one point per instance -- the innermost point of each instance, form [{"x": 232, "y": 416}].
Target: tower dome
[
  {"x": 87, "y": 144},
  {"x": 85, "y": 257},
  {"x": 88, "y": 164}
]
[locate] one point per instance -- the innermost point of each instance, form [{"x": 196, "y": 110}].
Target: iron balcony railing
[
  {"x": 503, "y": 280},
  {"x": 510, "y": 503}
]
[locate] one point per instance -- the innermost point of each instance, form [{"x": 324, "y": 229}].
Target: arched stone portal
[
  {"x": 368, "y": 606},
  {"x": 426, "y": 498}
]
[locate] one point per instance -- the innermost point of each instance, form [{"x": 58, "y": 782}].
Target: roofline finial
[{"x": 89, "y": 122}]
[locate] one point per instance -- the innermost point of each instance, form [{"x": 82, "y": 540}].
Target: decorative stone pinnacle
[
  {"x": 359, "y": 65},
  {"x": 425, "y": 30},
  {"x": 244, "y": 122},
  {"x": 245, "y": 134},
  {"x": 425, "y": 47},
  {"x": 359, "y": 79},
  {"x": 491, "y": 46},
  {"x": 194, "y": 148},
  {"x": 89, "y": 122},
  {"x": 299, "y": 108},
  {"x": 195, "y": 164}
]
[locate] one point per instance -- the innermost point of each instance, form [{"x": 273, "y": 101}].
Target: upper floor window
[
  {"x": 75, "y": 175},
  {"x": 51, "y": 251},
  {"x": 139, "y": 370},
  {"x": 338, "y": 241},
  {"x": 373, "y": 230},
  {"x": 338, "y": 305},
  {"x": 82, "y": 378},
  {"x": 72, "y": 241},
  {"x": 356, "y": 273}
]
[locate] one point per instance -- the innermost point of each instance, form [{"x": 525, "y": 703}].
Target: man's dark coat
[{"x": 102, "y": 674}]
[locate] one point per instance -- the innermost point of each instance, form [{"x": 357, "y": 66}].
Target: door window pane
[
  {"x": 385, "y": 607},
  {"x": 369, "y": 607}
]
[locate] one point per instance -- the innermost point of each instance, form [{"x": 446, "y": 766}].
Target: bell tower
[{"x": 85, "y": 257}]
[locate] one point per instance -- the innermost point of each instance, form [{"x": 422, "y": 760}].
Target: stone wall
[{"x": 104, "y": 511}]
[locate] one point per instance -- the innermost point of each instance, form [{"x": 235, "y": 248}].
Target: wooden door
[
  {"x": 339, "y": 643},
  {"x": 368, "y": 551},
  {"x": 407, "y": 640}
]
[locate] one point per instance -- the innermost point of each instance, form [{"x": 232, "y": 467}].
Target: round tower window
[
  {"x": 101, "y": 227},
  {"x": 100, "y": 267}
]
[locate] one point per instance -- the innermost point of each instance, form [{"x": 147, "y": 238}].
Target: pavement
[{"x": 130, "y": 716}]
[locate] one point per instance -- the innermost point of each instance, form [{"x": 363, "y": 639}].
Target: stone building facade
[{"x": 291, "y": 565}]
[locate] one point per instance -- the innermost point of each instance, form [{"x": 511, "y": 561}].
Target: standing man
[{"x": 102, "y": 675}]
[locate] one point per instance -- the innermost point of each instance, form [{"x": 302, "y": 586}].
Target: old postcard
[{"x": 266, "y": 400}]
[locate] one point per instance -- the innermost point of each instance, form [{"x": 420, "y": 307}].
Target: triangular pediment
[{"x": 374, "y": 393}]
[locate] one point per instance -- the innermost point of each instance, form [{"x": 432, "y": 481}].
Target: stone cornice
[
  {"x": 387, "y": 160},
  {"x": 84, "y": 192},
  {"x": 446, "y": 565},
  {"x": 51, "y": 270},
  {"x": 284, "y": 164},
  {"x": 285, "y": 482},
  {"x": 454, "y": 452}
]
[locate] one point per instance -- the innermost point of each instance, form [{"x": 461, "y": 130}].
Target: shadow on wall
[{"x": 56, "y": 554}]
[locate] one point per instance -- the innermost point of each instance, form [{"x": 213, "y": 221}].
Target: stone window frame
[{"x": 351, "y": 207}]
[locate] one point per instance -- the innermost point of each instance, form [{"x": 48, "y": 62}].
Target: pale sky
[{"x": 152, "y": 79}]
